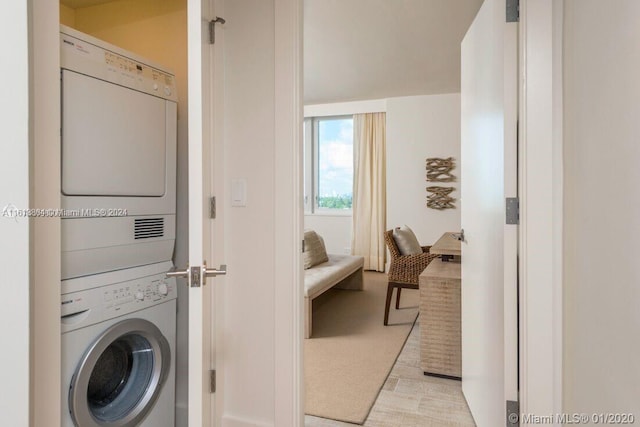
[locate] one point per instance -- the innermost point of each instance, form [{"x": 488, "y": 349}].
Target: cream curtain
[{"x": 369, "y": 189}]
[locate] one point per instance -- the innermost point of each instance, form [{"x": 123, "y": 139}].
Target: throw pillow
[
  {"x": 314, "y": 250},
  {"x": 406, "y": 241}
]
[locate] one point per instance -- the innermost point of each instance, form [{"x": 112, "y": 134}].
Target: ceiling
[{"x": 370, "y": 49}]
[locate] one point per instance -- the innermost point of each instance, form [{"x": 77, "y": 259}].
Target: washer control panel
[
  {"x": 137, "y": 294},
  {"x": 84, "y": 308}
]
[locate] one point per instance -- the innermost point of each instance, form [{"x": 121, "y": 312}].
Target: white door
[
  {"x": 245, "y": 120},
  {"x": 488, "y": 159},
  {"x": 201, "y": 257}
]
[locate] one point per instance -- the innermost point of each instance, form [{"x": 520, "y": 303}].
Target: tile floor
[{"x": 411, "y": 399}]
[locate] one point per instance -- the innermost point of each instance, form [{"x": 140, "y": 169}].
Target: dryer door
[
  {"x": 120, "y": 375},
  {"x": 114, "y": 139}
]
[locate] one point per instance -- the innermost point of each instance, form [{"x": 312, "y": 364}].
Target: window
[{"x": 328, "y": 167}]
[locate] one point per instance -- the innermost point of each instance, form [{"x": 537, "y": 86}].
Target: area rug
[{"x": 351, "y": 352}]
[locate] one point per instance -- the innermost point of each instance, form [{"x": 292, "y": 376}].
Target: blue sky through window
[{"x": 335, "y": 158}]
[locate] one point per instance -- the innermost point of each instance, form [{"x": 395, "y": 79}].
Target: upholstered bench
[
  {"x": 324, "y": 271},
  {"x": 341, "y": 271}
]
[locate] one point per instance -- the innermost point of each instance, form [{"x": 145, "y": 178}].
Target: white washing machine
[{"x": 118, "y": 348}]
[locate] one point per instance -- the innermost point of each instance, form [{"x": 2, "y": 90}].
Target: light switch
[{"x": 239, "y": 192}]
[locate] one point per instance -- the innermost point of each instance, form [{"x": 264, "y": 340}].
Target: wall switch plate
[{"x": 239, "y": 192}]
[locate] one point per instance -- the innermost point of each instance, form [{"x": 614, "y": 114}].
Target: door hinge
[
  {"x": 212, "y": 381},
  {"x": 212, "y": 29},
  {"x": 513, "y": 413},
  {"x": 302, "y": 245},
  {"x": 512, "y": 209},
  {"x": 513, "y": 10},
  {"x": 212, "y": 207}
]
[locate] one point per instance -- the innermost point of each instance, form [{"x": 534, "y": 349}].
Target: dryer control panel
[
  {"x": 87, "y": 307},
  {"x": 87, "y": 55}
]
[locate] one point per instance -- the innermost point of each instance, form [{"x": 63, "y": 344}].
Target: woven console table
[{"x": 440, "y": 326}]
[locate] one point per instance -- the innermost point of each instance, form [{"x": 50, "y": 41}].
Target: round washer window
[
  {"x": 120, "y": 375},
  {"x": 120, "y": 378}
]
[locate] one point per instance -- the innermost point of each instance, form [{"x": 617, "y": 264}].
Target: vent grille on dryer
[{"x": 146, "y": 228}]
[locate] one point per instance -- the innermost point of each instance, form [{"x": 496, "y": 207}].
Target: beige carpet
[{"x": 351, "y": 352}]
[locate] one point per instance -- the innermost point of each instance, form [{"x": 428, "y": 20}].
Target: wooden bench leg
[{"x": 307, "y": 317}]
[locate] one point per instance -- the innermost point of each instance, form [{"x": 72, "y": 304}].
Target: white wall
[
  {"x": 262, "y": 294},
  {"x": 602, "y": 206},
  {"x": 334, "y": 229},
  {"x": 419, "y": 127},
  {"x": 249, "y": 230},
  {"x": 344, "y": 108},
  {"x": 14, "y": 189}
]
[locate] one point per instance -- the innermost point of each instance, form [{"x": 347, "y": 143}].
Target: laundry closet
[{"x": 156, "y": 31}]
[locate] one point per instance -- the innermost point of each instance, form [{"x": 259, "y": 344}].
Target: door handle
[
  {"x": 177, "y": 273},
  {"x": 459, "y": 236},
  {"x": 196, "y": 274},
  {"x": 212, "y": 272}
]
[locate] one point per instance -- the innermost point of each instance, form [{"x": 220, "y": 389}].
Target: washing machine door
[{"x": 120, "y": 375}]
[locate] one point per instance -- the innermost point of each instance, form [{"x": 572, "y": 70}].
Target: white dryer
[
  {"x": 118, "y": 348},
  {"x": 118, "y": 160}
]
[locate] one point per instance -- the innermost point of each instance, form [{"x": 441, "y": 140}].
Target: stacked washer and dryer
[{"x": 119, "y": 195}]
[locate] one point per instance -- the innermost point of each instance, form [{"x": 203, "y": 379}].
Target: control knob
[
  {"x": 163, "y": 289},
  {"x": 140, "y": 296}
]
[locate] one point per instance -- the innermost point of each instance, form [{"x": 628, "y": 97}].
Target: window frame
[{"x": 311, "y": 169}]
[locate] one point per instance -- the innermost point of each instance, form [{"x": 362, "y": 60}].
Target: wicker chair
[{"x": 403, "y": 271}]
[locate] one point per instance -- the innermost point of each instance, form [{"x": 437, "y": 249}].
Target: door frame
[
  {"x": 541, "y": 207},
  {"x": 45, "y": 249},
  {"x": 217, "y": 186},
  {"x": 288, "y": 393}
]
